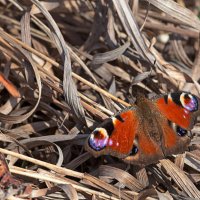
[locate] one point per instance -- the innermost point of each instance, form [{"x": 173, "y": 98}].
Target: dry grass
[{"x": 73, "y": 62}]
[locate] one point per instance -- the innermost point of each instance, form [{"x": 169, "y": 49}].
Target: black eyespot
[
  {"x": 134, "y": 150},
  {"x": 181, "y": 132}
]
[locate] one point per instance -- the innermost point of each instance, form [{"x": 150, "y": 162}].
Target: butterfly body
[{"x": 148, "y": 131}]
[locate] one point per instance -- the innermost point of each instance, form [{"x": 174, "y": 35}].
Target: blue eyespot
[
  {"x": 98, "y": 139},
  {"x": 189, "y": 102},
  {"x": 180, "y": 131},
  {"x": 134, "y": 150}
]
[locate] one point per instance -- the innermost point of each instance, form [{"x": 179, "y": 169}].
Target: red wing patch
[
  {"x": 147, "y": 146},
  {"x": 169, "y": 136},
  {"x": 148, "y": 151},
  {"x": 172, "y": 142},
  {"x": 122, "y": 138},
  {"x": 115, "y": 136},
  {"x": 174, "y": 113}
]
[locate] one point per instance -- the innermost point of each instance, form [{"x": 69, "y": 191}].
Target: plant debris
[{"x": 74, "y": 63}]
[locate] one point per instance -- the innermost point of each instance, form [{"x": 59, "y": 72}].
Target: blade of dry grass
[
  {"x": 181, "y": 179},
  {"x": 175, "y": 10},
  {"x": 69, "y": 88}
]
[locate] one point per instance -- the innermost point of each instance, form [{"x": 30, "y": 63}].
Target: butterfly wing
[
  {"x": 148, "y": 150},
  {"x": 178, "y": 115},
  {"x": 125, "y": 136},
  {"x": 180, "y": 108},
  {"x": 115, "y": 135}
]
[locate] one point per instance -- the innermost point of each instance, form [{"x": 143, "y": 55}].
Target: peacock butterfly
[{"x": 149, "y": 131}]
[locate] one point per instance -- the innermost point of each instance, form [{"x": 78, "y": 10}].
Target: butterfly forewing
[
  {"x": 180, "y": 111},
  {"x": 115, "y": 136},
  {"x": 180, "y": 108}
]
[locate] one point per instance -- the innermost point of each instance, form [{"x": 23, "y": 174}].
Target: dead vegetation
[{"x": 76, "y": 62}]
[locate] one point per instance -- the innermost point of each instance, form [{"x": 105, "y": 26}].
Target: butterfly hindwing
[
  {"x": 173, "y": 143},
  {"x": 148, "y": 150}
]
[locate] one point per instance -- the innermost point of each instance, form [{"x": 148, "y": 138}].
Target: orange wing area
[
  {"x": 172, "y": 143},
  {"x": 170, "y": 137},
  {"x": 9, "y": 86},
  {"x": 121, "y": 140},
  {"x": 174, "y": 112},
  {"x": 146, "y": 146},
  {"x": 148, "y": 150}
]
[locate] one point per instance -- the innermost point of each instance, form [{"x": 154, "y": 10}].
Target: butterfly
[{"x": 148, "y": 131}]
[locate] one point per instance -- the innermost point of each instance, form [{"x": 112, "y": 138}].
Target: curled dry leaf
[
  {"x": 181, "y": 179},
  {"x": 175, "y": 10},
  {"x": 69, "y": 88},
  {"x": 60, "y": 57}
]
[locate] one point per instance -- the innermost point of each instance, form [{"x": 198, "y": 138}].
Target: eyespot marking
[
  {"x": 180, "y": 131},
  {"x": 119, "y": 118},
  {"x": 189, "y": 102},
  {"x": 98, "y": 139},
  {"x": 169, "y": 97},
  {"x": 134, "y": 150},
  {"x": 114, "y": 120},
  {"x": 166, "y": 99}
]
